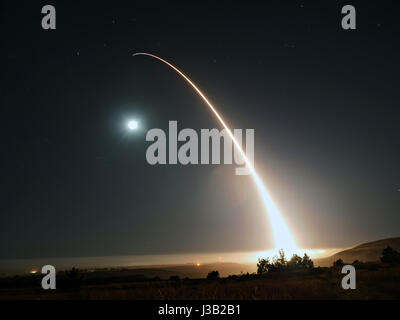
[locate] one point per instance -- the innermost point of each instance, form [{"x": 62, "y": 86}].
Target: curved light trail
[{"x": 282, "y": 237}]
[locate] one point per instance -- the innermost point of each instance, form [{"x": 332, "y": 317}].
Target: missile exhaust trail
[{"x": 282, "y": 236}]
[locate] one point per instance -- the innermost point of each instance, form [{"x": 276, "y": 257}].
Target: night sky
[{"x": 324, "y": 104}]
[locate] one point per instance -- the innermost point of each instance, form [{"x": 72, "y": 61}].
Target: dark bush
[
  {"x": 213, "y": 275},
  {"x": 338, "y": 263},
  {"x": 174, "y": 278},
  {"x": 280, "y": 263},
  {"x": 390, "y": 256},
  {"x": 263, "y": 266}
]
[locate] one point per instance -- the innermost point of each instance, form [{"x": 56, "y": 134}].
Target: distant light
[
  {"x": 33, "y": 272},
  {"x": 198, "y": 264},
  {"x": 133, "y": 125}
]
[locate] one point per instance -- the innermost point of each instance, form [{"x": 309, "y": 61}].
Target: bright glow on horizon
[
  {"x": 13, "y": 267},
  {"x": 312, "y": 253},
  {"x": 282, "y": 237}
]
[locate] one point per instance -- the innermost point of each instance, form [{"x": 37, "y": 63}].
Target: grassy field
[{"x": 374, "y": 281}]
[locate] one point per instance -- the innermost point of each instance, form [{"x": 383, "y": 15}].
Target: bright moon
[{"x": 133, "y": 125}]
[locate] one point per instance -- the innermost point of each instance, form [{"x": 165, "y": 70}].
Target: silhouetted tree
[
  {"x": 295, "y": 262},
  {"x": 306, "y": 262},
  {"x": 279, "y": 263},
  {"x": 390, "y": 256},
  {"x": 263, "y": 266},
  {"x": 338, "y": 263},
  {"x": 213, "y": 275}
]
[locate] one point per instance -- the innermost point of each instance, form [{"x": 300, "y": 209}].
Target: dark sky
[{"x": 324, "y": 104}]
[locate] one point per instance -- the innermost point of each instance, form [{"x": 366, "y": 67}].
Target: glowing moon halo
[{"x": 133, "y": 125}]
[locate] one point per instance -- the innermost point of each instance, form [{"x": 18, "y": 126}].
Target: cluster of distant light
[{"x": 282, "y": 236}]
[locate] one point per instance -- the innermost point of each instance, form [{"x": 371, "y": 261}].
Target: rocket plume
[{"x": 281, "y": 234}]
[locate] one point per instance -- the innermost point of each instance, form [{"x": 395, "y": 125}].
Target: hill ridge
[{"x": 365, "y": 252}]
